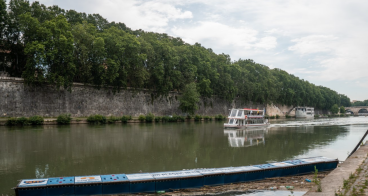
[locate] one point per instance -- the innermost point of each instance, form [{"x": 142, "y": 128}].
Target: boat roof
[{"x": 247, "y": 109}]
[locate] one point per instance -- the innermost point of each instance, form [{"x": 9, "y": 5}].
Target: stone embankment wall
[{"x": 17, "y": 99}]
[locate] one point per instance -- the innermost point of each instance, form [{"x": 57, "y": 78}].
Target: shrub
[
  {"x": 316, "y": 116},
  {"x": 287, "y": 116},
  {"x": 189, "y": 117},
  {"x": 266, "y": 116},
  {"x": 64, "y": 119},
  {"x": 197, "y": 117},
  {"x": 273, "y": 117},
  {"x": 22, "y": 121},
  {"x": 112, "y": 119},
  {"x": 142, "y": 118},
  {"x": 11, "y": 121},
  {"x": 95, "y": 119},
  {"x": 277, "y": 116},
  {"x": 207, "y": 118},
  {"x": 181, "y": 118},
  {"x": 219, "y": 117},
  {"x": 124, "y": 119},
  {"x": 166, "y": 118},
  {"x": 35, "y": 120},
  {"x": 150, "y": 117},
  {"x": 158, "y": 118},
  {"x": 173, "y": 118}
]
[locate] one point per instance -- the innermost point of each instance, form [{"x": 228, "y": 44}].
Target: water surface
[{"x": 71, "y": 150}]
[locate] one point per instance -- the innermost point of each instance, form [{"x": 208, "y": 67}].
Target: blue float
[
  {"x": 60, "y": 186},
  {"x": 88, "y": 185},
  {"x": 115, "y": 184},
  {"x": 212, "y": 176},
  {"x": 167, "y": 181},
  {"x": 32, "y": 187},
  {"x": 141, "y": 183}
]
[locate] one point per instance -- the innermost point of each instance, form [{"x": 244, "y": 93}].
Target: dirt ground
[{"x": 298, "y": 183}]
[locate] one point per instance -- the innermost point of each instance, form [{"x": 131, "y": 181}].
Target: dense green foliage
[
  {"x": 35, "y": 120},
  {"x": 189, "y": 99},
  {"x": 150, "y": 117},
  {"x": 334, "y": 109},
  {"x": 96, "y": 119},
  {"x": 360, "y": 103},
  {"x": 342, "y": 110},
  {"x": 64, "y": 119},
  {"x": 49, "y": 45}
]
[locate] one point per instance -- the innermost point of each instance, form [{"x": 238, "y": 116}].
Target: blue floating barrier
[
  {"x": 212, "y": 177},
  {"x": 60, "y": 186},
  {"x": 301, "y": 167},
  {"x": 253, "y": 173},
  {"x": 88, "y": 185},
  {"x": 286, "y": 169},
  {"x": 270, "y": 171},
  {"x": 191, "y": 179},
  {"x": 32, "y": 187},
  {"x": 329, "y": 163},
  {"x": 142, "y": 182},
  {"x": 233, "y": 175},
  {"x": 115, "y": 184},
  {"x": 167, "y": 181},
  {"x": 315, "y": 161}
]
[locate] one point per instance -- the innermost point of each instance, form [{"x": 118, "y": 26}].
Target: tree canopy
[{"x": 50, "y": 45}]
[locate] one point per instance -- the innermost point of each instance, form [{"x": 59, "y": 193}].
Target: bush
[
  {"x": 173, "y": 119},
  {"x": 181, "y": 118},
  {"x": 158, "y": 118},
  {"x": 219, "y": 117},
  {"x": 266, "y": 116},
  {"x": 277, "y": 116},
  {"x": 64, "y": 119},
  {"x": 35, "y": 120},
  {"x": 96, "y": 119},
  {"x": 207, "y": 118},
  {"x": 287, "y": 116},
  {"x": 124, "y": 119},
  {"x": 112, "y": 119},
  {"x": 316, "y": 116},
  {"x": 11, "y": 121},
  {"x": 197, "y": 117},
  {"x": 272, "y": 117},
  {"x": 166, "y": 118},
  {"x": 150, "y": 117},
  {"x": 22, "y": 121},
  {"x": 189, "y": 117},
  {"x": 142, "y": 118}
]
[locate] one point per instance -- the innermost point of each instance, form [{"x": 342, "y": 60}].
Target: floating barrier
[{"x": 168, "y": 181}]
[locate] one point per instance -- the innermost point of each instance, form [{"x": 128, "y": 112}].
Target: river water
[{"x": 71, "y": 150}]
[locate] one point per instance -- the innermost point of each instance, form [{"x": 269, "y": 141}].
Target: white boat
[
  {"x": 246, "y": 118},
  {"x": 304, "y": 112},
  {"x": 246, "y": 137}
]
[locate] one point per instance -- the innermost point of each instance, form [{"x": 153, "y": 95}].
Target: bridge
[{"x": 358, "y": 110}]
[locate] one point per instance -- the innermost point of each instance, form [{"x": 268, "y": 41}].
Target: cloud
[{"x": 313, "y": 44}]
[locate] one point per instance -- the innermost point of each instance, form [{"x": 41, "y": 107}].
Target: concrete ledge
[{"x": 334, "y": 181}]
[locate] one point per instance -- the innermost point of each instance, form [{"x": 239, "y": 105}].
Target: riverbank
[{"x": 349, "y": 178}]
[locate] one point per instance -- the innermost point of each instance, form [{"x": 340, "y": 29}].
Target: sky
[{"x": 324, "y": 42}]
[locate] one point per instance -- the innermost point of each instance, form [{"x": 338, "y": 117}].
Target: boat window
[
  {"x": 233, "y": 113},
  {"x": 231, "y": 121},
  {"x": 240, "y": 113}
]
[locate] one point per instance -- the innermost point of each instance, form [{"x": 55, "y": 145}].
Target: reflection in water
[
  {"x": 53, "y": 151},
  {"x": 246, "y": 137}
]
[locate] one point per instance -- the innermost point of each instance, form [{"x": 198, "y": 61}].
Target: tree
[
  {"x": 342, "y": 110},
  {"x": 334, "y": 109},
  {"x": 189, "y": 99}
]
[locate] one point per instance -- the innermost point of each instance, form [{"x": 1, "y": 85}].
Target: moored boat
[{"x": 246, "y": 118}]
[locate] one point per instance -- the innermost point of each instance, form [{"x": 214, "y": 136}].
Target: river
[{"x": 71, "y": 150}]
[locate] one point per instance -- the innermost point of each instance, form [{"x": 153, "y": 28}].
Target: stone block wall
[{"x": 17, "y": 99}]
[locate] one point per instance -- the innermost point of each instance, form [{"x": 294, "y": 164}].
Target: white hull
[
  {"x": 301, "y": 114},
  {"x": 248, "y": 126}
]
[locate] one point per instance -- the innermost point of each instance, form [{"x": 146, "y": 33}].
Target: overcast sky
[{"x": 324, "y": 42}]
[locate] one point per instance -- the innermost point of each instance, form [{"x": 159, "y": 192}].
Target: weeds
[{"x": 316, "y": 180}]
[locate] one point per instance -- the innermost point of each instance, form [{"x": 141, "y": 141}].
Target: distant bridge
[{"x": 358, "y": 110}]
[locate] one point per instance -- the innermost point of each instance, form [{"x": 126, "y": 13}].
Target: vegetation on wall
[{"x": 50, "y": 45}]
